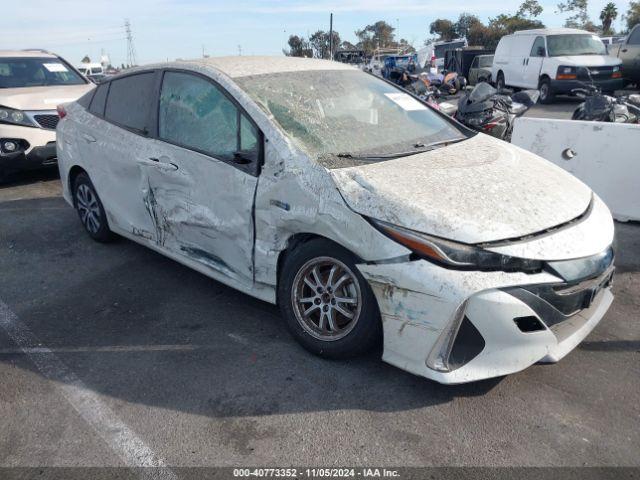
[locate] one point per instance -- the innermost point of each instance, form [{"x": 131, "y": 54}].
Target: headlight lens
[
  {"x": 16, "y": 117},
  {"x": 454, "y": 254}
]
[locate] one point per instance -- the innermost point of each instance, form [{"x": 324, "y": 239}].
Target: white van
[
  {"x": 89, "y": 69},
  {"x": 554, "y": 60}
]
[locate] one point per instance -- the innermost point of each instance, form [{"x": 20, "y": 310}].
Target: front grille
[
  {"x": 47, "y": 121},
  {"x": 597, "y": 73},
  {"x": 554, "y": 304}
]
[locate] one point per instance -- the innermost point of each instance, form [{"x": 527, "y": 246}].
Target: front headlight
[
  {"x": 15, "y": 117},
  {"x": 454, "y": 254}
]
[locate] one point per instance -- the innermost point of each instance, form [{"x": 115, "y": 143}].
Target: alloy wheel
[
  {"x": 326, "y": 298},
  {"x": 88, "y": 207}
]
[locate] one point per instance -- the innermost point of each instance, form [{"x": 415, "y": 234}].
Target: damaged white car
[{"x": 362, "y": 212}]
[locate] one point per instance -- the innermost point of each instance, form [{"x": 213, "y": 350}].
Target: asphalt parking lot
[{"x": 112, "y": 353}]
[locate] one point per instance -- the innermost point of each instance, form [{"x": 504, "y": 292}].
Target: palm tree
[{"x": 608, "y": 14}]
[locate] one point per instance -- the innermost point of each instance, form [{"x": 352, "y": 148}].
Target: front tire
[
  {"x": 90, "y": 209},
  {"x": 327, "y": 305},
  {"x": 546, "y": 94}
]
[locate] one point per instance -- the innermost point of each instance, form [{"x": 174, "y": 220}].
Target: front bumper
[
  {"x": 606, "y": 85},
  {"x": 420, "y": 304},
  {"x": 39, "y": 148}
]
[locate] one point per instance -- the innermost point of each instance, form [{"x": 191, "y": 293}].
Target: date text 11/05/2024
[{"x": 316, "y": 472}]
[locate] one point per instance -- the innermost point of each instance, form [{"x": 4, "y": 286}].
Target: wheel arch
[
  {"x": 71, "y": 179},
  {"x": 293, "y": 242}
]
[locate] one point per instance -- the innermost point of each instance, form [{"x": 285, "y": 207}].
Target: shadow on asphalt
[
  {"x": 30, "y": 177},
  {"x": 612, "y": 346}
]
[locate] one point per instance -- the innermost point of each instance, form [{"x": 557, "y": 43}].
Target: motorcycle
[
  {"x": 493, "y": 112},
  {"x": 429, "y": 94},
  {"x": 605, "y": 108}
]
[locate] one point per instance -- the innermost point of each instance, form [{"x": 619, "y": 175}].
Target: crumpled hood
[
  {"x": 588, "y": 60},
  {"x": 41, "y": 98},
  {"x": 478, "y": 190}
]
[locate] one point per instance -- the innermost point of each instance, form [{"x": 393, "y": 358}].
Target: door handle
[
  {"x": 624, "y": 50},
  {"x": 88, "y": 138}
]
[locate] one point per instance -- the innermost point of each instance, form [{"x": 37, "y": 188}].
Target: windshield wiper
[{"x": 418, "y": 148}]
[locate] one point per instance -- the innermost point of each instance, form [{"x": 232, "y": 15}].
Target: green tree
[
  {"x": 632, "y": 16},
  {"x": 85, "y": 59},
  {"x": 320, "y": 43},
  {"x": 608, "y": 14},
  {"x": 298, "y": 47},
  {"x": 347, "y": 45},
  {"x": 377, "y": 35},
  {"x": 445, "y": 29},
  {"x": 464, "y": 24},
  {"x": 579, "y": 17},
  {"x": 529, "y": 8}
]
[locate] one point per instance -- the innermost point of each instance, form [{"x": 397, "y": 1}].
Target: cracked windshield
[{"x": 344, "y": 118}]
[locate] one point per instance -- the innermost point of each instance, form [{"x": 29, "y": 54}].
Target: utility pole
[
  {"x": 131, "y": 49},
  {"x": 239, "y": 50},
  {"x": 331, "y": 36},
  {"x": 398, "y": 34}
]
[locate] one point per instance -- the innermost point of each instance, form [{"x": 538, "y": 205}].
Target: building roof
[
  {"x": 243, "y": 66},
  {"x": 25, "y": 53}
]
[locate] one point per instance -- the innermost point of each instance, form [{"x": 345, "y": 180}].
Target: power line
[{"x": 131, "y": 49}]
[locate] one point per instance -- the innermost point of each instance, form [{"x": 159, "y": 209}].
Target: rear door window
[
  {"x": 99, "y": 99},
  {"x": 634, "y": 38},
  {"x": 194, "y": 113},
  {"x": 129, "y": 101}
]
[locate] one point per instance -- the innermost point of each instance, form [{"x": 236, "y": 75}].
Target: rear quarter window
[
  {"x": 129, "y": 101},
  {"x": 85, "y": 100},
  {"x": 99, "y": 99}
]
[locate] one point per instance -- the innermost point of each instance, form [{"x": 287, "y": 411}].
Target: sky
[{"x": 169, "y": 29}]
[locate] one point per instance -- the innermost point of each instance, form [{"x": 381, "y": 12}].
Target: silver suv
[{"x": 32, "y": 84}]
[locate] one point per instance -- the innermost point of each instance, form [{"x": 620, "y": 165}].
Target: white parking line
[{"x": 120, "y": 438}]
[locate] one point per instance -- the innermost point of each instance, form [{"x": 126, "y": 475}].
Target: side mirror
[{"x": 542, "y": 52}]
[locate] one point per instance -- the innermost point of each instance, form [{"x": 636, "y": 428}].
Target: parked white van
[{"x": 554, "y": 60}]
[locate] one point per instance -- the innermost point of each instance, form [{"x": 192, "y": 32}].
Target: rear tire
[
  {"x": 327, "y": 304},
  {"x": 546, "y": 94},
  {"x": 90, "y": 209}
]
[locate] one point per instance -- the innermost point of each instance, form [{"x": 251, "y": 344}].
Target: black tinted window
[
  {"x": 198, "y": 115},
  {"x": 97, "y": 104},
  {"x": 129, "y": 101},
  {"x": 634, "y": 38}
]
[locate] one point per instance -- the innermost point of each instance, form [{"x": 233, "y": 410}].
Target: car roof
[
  {"x": 551, "y": 31},
  {"x": 243, "y": 66},
  {"x": 35, "y": 53}
]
